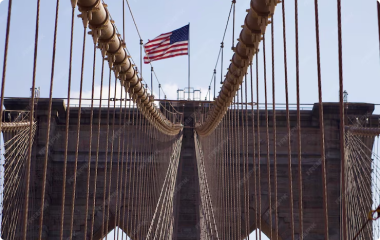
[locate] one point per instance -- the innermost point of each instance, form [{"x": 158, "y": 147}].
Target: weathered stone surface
[{"x": 187, "y": 215}]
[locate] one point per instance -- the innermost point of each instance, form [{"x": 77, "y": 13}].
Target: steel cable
[
  {"x": 48, "y": 123},
  {"x": 321, "y": 123}
]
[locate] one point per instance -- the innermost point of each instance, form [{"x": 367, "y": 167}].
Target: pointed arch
[
  {"x": 252, "y": 235},
  {"x": 265, "y": 231},
  {"x": 120, "y": 234}
]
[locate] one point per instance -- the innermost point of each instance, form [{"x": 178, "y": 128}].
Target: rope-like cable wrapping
[
  {"x": 113, "y": 48},
  {"x": 254, "y": 26}
]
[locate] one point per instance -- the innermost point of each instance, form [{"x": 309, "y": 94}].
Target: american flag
[{"x": 168, "y": 45}]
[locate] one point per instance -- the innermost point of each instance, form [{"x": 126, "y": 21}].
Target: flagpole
[
  {"x": 378, "y": 17},
  {"x": 188, "y": 50}
]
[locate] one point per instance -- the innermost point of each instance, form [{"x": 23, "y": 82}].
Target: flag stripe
[
  {"x": 168, "y": 45},
  {"x": 154, "y": 46},
  {"x": 160, "y": 58},
  {"x": 164, "y": 35},
  {"x": 169, "y": 50},
  {"x": 173, "y": 51},
  {"x": 157, "y": 41}
]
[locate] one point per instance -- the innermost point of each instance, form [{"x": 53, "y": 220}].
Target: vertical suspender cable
[
  {"x": 221, "y": 63},
  {"x": 234, "y": 132},
  {"x": 258, "y": 145},
  {"x": 5, "y": 60},
  {"x": 106, "y": 157},
  {"x": 140, "y": 174},
  {"x": 130, "y": 160},
  {"x": 321, "y": 124},
  {"x": 238, "y": 166},
  {"x": 229, "y": 170},
  {"x": 111, "y": 160},
  {"x": 90, "y": 144},
  {"x": 253, "y": 156},
  {"x": 230, "y": 205},
  {"x": 118, "y": 184},
  {"x": 48, "y": 123},
  {"x": 267, "y": 142},
  {"x": 119, "y": 133},
  {"x": 3, "y": 88},
  {"x": 78, "y": 134},
  {"x": 274, "y": 135},
  {"x": 221, "y": 181},
  {"x": 149, "y": 204},
  {"x": 378, "y": 17},
  {"x": 123, "y": 20},
  {"x": 31, "y": 118},
  {"x": 188, "y": 61},
  {"x": 341, "y": 115},
  {"x": 300, "y": 204},
  {"x": 237, "y": 127},
  {"x": 214, "y": 83},
  {"x": 132, "y": 174},
  {"x": 122, "y": 133},
  {"x": 288, "y": 124},
  {"x": 225, "y": 189},
  {"x": 125, "y": 104},
  {"x": 246, "y": 175},
  {"x": 233, "y": 24},
  {"x": 225, "y": 172},
  {"x": 125, "y": 145},
  {"x": 129, "y": 109},
  {"x": 97, "y": 152},
  {"x": 141, "y": 57},
  {"x": 236, "y": 121},
  {"x": 134, "y": 159},
  {"x": 67, "y": 124},
  {"x": 4, "y": 73}
]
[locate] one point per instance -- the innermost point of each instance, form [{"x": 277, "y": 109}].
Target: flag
[{"x": 168, "y": 45}]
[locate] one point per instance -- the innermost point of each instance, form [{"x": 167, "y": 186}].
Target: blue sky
[
  {"x": 124, "y": 237},
  {"x": 207, "y": 19}
]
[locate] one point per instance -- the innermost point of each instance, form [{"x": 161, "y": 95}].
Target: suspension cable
[
  {"x": 78, "y": 134},
  {"x": 97, "y": 152},
  {"x": 48, "y": 123},
  {"x": 321, "y": 124},
  {"x": 274, "y": 134},
  {"x": 67, "y": 125},
  {"x": 220, "y": 54},
  {"x": 288, "y": 124},
  {"x": 300, "y": 185},
  {"x": 342, "y": 124},
  {"x": 267, "y": 142},
  {"x": 258, "y": 145},
  {"x": 31, "y": 117},
  {"x": 5, "y": 60}
]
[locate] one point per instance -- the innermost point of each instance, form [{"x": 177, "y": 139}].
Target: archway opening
[
  {"x": 253, "y": 235},
  {"x": 118, "y": 234}
]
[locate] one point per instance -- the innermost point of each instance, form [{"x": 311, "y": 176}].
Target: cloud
[
  {"x": 86, "y": 96},
  {"x": 170, "y": 89},
  {"x": 1, "y": 2}
]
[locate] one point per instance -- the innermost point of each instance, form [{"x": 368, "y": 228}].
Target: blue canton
[{"x": 180, "y": 35}]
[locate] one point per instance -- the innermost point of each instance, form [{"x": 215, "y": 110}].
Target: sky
[
  {"x": 208, "y": 20},
  {"x": 122, "y": 235}
]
